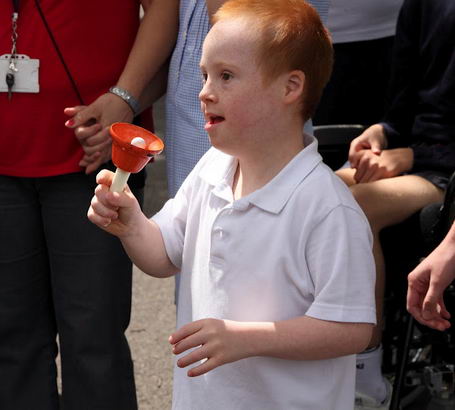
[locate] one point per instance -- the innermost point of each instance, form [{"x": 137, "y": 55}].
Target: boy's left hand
[{"x": 218, "y": 341}]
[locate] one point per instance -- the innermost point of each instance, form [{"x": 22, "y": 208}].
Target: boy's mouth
[
  {"x": 215, "y": 119},
  {"x": 212, "y": 120}
]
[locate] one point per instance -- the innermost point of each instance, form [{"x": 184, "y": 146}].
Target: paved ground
[{"x": 153, "y": 313}]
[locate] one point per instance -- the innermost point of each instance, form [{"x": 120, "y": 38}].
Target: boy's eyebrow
[{"x": 219, "y": 65}]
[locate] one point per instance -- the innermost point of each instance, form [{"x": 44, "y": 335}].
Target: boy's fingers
[
  {"x": 192, "y": 357},
  {"x": 102, "y": 210},
  {"x": 97, "y": 219},
  {"x": 188, "y": 342},
  {"x": 203, "y": 368},
  {"x": 104, "y": 177},
  {"x": 185, "y": 331}
]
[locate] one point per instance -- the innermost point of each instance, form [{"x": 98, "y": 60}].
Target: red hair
[{"x": 292, "y": 37}]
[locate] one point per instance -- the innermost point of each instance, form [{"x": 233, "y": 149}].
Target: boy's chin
[{"x": 220, "y": 144}]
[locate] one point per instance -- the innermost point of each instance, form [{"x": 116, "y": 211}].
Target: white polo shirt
[{"x": 298, "y": 246}]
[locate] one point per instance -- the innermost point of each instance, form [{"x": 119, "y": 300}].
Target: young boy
[{"x": 277, "y": 288}]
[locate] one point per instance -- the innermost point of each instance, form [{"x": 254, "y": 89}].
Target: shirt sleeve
[
  {"x": 340, "y": 260},
  {"x": 172, "y": 218}
]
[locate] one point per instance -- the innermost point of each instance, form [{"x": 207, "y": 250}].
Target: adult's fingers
[
  {"x": 371, "y": 173},
  {"x": 72, "y": 111},
  {"x": 357, "y": 145},
  {"x": 430, "y": 303},
  {"x": 361, "y": 169},
  {"x": 94, "y": 165},
  {"x": 100, "y": 137},
  {"x": 84, "y": 132},
  {"x": 101, "y": 147},
  {"x": 83, "y": 116}
]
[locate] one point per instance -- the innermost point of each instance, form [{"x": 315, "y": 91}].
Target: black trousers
[
  {"x": 357, "y": 90},
  {"x": 60, "y": 274}
]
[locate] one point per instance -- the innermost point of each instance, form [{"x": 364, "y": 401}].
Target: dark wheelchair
[{"x": 419, "y": 361}]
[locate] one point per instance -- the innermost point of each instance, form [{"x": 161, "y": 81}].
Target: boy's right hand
[{"x": 118, "y": 213}]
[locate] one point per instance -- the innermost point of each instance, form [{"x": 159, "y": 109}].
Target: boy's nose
[{"x": 207, "y": 93}]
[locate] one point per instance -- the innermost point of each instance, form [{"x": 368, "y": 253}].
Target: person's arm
[
  {"x": 405, "y": 78},
  {"x": 120, "y": 215},
  {"x": 372, "y": 161},
  {"x": 389, "y": 163},
  {"x": 427, "y": 282},
  {"x": 343, "y": 294},
  {"x": 213, "y": 6},
  {"x": 301, "y": 338},
  {"x": 373, "y": 138},
  {"x": 152, "y": 47}
]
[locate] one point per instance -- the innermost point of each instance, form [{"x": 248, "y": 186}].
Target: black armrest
[{"x": 334, "y": 141}]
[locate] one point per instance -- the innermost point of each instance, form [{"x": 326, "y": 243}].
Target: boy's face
[{"x": 239, "y": 109}]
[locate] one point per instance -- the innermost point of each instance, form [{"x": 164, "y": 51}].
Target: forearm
[
  {"x": 305, "y": 338},
  {"x": 145, "y": 247},
  {"x": 156, "y": 88},
  {"x": 153, "y": 45},
  {"x": 445, "y": 254}
]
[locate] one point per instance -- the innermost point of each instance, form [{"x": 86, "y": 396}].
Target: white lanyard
[{"x": 12, "y": 69}]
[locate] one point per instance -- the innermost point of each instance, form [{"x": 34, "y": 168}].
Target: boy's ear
[{"x": 295, "y": 83}]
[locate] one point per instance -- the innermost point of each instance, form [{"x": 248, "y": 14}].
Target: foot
[{"x": 365, "y": 402}]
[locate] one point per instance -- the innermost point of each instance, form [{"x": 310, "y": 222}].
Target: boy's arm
[
  {"x": 301, "y": 338},
  {"x": 120, "y": 215}
]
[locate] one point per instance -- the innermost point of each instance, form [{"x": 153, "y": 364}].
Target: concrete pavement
[{"x": 153, "y": 309}]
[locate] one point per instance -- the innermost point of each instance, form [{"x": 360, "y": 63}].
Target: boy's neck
[{"x": 260, "y": 167}]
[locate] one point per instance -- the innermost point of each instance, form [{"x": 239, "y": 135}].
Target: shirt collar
[{"x": 273, "y": 196}]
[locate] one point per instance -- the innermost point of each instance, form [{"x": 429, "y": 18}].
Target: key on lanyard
[
  {"x": 12, "y": 66},
  {"x": 10, "y": 83}
]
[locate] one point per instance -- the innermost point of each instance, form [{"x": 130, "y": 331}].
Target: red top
[{"x": 95, "y": 37}]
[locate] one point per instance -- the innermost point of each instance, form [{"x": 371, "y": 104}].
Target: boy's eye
[
  {"x": 204, "y": 77},
  {"x": 225, "y": 76}
]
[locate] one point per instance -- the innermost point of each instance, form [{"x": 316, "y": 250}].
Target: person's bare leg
[
  {"x": 387, "y": 202},
  {"x": 347, "y": 175}
]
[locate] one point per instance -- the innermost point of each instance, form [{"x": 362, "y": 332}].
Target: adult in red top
[{"x": 58, "y": 273}]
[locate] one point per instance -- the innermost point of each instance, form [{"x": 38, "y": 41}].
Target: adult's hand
[
  {"x": 427, "y": 282},
  {"x": 389, "y": 163},
  {"x": 373, "y": 138},
  {"x": 91, "y": 127}
]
